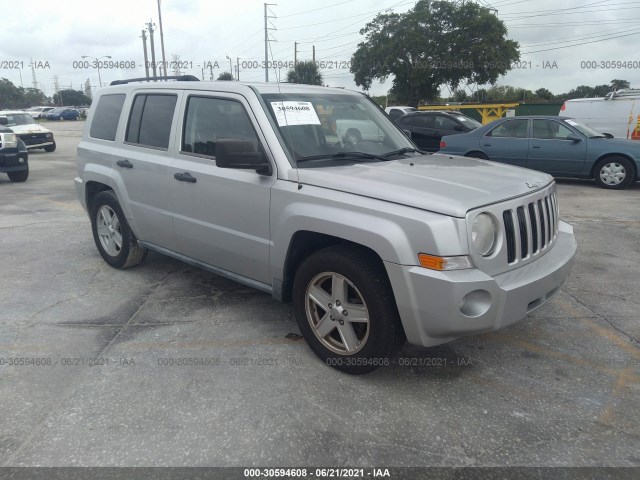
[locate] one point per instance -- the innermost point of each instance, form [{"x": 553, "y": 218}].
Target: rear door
[
  {"x": 550, "y": 151},
  {"x": 508, "y": 142},
  {"x": 221, "y": 215},
  {"x": 142, "y": 164},
  {"x": 422, "y": 130}
]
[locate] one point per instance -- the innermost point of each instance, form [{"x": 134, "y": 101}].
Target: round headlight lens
[{"x": 484, "y": 234}]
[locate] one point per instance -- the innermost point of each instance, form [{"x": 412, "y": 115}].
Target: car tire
[
  {"x": 50, "y": 148},
  {"x": 112, "y": 235},
  {"x": 478, "y": 155},
  {"x": 614, "y": 173},
  {"x": 18, "y": 177},
  {"x": 354, "y": 347}
]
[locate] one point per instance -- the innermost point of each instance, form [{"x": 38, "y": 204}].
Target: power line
[
  {"x": 583, "y": 43},
  {"x": 316, "y": 9}
]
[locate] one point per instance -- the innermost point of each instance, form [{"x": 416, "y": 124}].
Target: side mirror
[
  {"x": 241, "y": 154},
  {"x": 573, "y": 137},
  {"x": 4, "y": 121},
  {"x": 608, "y": 135},
  {"x": 407, "y": 132}
]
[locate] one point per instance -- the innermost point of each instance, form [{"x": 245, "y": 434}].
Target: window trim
[
  {"x": 528, "y": 136},
  {"x": 146, "y": 94},
  {"x": 213, "y": 97}
]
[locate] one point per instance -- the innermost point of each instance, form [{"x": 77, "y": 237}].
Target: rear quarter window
[
  {"x": 105, "y": 119},
  {"x": 150, "y": 120}
]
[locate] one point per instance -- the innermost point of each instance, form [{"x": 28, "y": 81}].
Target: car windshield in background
[
  {"x": 469, "y": 122},
  {"x": 334, "y": 127},
  {"x": 583, "y": 129},
  {"x": 15, "y": 119}
]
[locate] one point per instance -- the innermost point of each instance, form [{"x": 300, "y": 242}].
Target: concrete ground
[{"x": 558, "y": 389}]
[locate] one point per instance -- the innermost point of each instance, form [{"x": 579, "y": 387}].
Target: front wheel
[
  {"x": 346, "y": 310},
  {"x": 614, "y": 173},
  {"x": 116, "y": 242},
  {"x": 479, "y": 155},
  {"x": 18, "y": 176},
  {"x": 50, "y": 148}
]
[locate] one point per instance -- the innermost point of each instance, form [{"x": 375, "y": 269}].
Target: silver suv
[{"x": 371, "y": 240}]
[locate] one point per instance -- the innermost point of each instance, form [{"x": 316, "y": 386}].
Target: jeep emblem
[{"x": 532, "y": 184}]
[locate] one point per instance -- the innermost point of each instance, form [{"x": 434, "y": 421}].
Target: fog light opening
[{"x": 476, "y": 303}]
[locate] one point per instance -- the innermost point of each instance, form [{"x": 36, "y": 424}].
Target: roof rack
[{"x": 180, "y": 78}]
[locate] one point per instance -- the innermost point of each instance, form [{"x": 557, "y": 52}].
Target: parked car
[
  {"x": 31, "y": 133},
  {"x": 427, "y": 128},
  {"x": 373, "y": 244},
  {"x": 38, "y": 112},
  {"x": 556, "y": 145},
  {"x": 62, "y": 113},
  {"x": 14, "y": 158},
  {"x": 617, "y": 114},
  {"x": 397, "y": 111}
]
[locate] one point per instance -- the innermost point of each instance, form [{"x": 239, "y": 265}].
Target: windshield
[
  {"x": 332, "y": 126},
  {"x": 583, "y": 129},
  {"x": 468, "y": 122},
  {"x": 15, "y": 119}
]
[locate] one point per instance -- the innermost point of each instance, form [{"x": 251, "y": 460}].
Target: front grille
[
  {"x": 530, "y": 228},
  {"x": 33, "y": 138}
]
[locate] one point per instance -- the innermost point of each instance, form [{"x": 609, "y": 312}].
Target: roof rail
[{"x": 180, "y": 78}]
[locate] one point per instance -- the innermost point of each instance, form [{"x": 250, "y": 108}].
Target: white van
[{"x": 617, "y": 114}]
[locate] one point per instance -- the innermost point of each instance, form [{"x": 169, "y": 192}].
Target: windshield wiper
[
  {"x": 402, "y": 151},
  {"x": 343, "y": 155},
  {"x": 599, "y": 136}
]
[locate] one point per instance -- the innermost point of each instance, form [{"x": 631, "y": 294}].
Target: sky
[{"x": 562, "y": 43}]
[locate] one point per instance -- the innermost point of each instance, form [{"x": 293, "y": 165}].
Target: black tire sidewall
[
  {"x": 18, "y": 177},
  {"x": 109, "y": 198},
  {"x": 375, "y": 290},
  {"x": 50, "y": 148},
  {"x": 622, "y": 161}
]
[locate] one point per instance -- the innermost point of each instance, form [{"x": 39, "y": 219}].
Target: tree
[
  {"x": 10, "y": 95},
  {"x": 305, "y": 72},
  {"x": 435, "y": 43},
  {"x": 225, "y": 76},
  {"x": 71, "y": 97},
  {"x": 619, "y": 84},
  {"x": 544, "y": 94}
]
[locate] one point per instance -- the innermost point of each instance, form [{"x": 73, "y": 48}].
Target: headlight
[
  {"x": 9, "y": 140},
  {"x": 49, "y": 135},
  {"x": 484, "y": 234}
]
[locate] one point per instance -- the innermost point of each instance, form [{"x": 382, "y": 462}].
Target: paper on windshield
[
  {"x": 572, "y": 122},
  {"x": 295, "y": 113}
]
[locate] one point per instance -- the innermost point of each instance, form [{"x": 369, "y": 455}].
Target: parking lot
[{"x": 165, "y": 364}]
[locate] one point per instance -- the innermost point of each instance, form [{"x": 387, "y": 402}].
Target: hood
[
  {"x": 31, "y": 128},
  {"x": 440, "y": 183}
]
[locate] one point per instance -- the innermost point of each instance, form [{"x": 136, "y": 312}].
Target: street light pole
[
  {"x": 230, "y": 67},
  {"x": 97, "y": 64}
]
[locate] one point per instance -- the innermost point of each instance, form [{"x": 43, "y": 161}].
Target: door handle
[
  {"x": 487, "y": 144},
  {"x": 184, "y": 177},
  {"x": 124, "y": 163},
  {"x": 535, "y": 146}
]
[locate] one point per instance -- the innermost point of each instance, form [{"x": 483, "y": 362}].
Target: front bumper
[
  {"x": 437, "y": 307},
  {"x": 10, "y": 162}
]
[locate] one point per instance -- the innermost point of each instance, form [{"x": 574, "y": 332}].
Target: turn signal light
[{"x": 434, "y": 262}]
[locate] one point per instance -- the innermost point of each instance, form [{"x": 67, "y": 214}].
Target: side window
[
  {"x": 511, "y": 129},
  {"x": 106, "y": 117},
  {"x": 445, "y": 123},
  {"x": 395, "y": 112},
  {"x": 150, "y": 120},
  {"x": 210, "y": 120},
  {"x": 548, "y": 129}
]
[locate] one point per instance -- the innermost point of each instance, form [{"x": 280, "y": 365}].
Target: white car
[
  {"x": 27, "y": 130},
  {"x": 38, "y": 112},
  {"x": 399, "y": 110}
]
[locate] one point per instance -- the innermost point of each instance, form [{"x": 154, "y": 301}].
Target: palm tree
[{"x": 305, "y": 72}]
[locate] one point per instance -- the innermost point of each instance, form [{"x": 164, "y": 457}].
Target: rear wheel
[
  {"x": 116, "y": 242},
  {"x": 345, "y": 309},
  {"x": 19, "y": 176},
  {"x": 614, "y": 173},
  {"x": 479, "y": 155}
]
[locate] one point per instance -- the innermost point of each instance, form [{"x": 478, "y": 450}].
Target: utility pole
[
  {"x": 33, "y": 75},
  {"x": 238, "y": 68},
  {"x": 164, "y": 60},
  {"x": 266, "y": 39},
  {"x": 314, "y": 54},
  {"x": 146, "y": 58},
  {"x": 151, "y": 27},
  {"x": 295, "y": 54}
]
